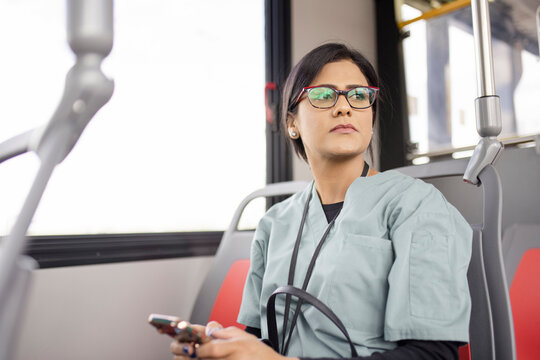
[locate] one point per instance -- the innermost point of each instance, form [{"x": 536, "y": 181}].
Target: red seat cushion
[
  {"x": 229, "y": 298},
  {"x": 525, "y": 299}
]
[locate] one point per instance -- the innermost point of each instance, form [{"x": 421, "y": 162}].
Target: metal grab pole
[
  {"x": 13, "y": 294},
  {"x": 482, "y": 41},
  {"x": 487, "y": 104},
  {"x": 538, "y": 27},
  {"x": 488, "y": 150},
  {"x": 87, "y": 89}
]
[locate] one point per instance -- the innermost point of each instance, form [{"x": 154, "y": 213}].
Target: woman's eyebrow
[
  {"x": 355, "y": 86},
  {"x": 328, "y": 85},
  {"x": 350, "y": 86}
]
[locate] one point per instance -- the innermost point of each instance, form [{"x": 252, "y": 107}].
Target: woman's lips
[{"x": 344, "y": 129}]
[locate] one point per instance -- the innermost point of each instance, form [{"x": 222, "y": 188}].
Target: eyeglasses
[{"x": 324, "y": 97}]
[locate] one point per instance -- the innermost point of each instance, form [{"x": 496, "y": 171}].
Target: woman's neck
[{"x": 333, "y": 178}]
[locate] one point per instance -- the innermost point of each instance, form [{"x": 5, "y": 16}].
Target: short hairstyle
[{"x": 307, "y": 69}]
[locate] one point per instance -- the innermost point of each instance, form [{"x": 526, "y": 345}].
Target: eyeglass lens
[{"x": 325, "y": 97}]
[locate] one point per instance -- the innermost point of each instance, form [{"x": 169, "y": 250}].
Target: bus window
[
  {"x": 441, "y": 76},
  {"x": 179, "y": 143}
]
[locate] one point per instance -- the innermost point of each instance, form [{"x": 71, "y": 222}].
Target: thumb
[
  {"x": 211, "y": 327},
  {"x": 228, "y": 333}
]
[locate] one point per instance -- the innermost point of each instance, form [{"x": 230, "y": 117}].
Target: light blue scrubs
[{"x": 394, "y": 267}]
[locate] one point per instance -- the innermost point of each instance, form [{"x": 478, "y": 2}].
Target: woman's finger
[
  {"x": 199, "y": 328},
  {"x": 230, "y": 332},
  {"x": 215, "y": 349},
  {"x": 246, "y": 347},
  {"x": 211, "y": 327},
  {"x": 182, "y": 349}
]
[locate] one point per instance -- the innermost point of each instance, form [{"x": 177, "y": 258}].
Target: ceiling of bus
[{"x": 511, "y": 20}]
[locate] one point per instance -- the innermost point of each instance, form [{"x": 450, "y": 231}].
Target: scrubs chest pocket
[{"x": 360, "y": 282}]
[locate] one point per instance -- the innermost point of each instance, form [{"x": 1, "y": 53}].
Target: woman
[{"x": 385, "y": 252}]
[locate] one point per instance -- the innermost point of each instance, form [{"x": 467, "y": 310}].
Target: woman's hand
[
  {"x": 187, "y": 350},
  {"x": 235, "y": 344},
  {"x": 231, "y": 344}
]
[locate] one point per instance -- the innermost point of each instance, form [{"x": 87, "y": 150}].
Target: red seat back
[
  {"x": 228, "y": 300},
  {"x": 525, "y": 299}
]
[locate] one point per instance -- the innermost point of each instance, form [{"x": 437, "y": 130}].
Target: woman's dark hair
[{"x": 307, "y": 69}]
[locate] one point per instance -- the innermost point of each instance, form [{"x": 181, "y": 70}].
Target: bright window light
[{"x": 182, "y": 140}]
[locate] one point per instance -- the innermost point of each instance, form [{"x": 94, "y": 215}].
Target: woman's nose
[{"x": 342, "y": 106}]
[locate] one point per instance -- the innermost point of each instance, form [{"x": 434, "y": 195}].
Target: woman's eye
[
  {"x": 359, "y": 96},
  {"x": 322, "y": 94}
]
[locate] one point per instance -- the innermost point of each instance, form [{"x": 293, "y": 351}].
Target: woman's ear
[
  {"x": 292, "y": 129},
  {"x": 291, "y": 118}
]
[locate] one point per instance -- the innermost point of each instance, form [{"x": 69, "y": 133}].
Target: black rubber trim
[
  {"x": 393, "y": 113},
  {"x": 278, "y": 64},
  {"x": 74, "y": 250}
]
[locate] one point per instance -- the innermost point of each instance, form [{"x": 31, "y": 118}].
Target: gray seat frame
[{"x": 235, "y": 245}]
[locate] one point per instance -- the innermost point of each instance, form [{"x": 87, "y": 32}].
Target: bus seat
[
  {"x": 521, "y": 251},
  {"x": 491, "y": 328},
  {"x": 221, "y": 292},
  {"x": 491, "y": 332}
]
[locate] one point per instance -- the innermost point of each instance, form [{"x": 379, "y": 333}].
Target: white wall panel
[
  {"x": 100, "y": 312},
  {"x": 315, "y": 22}
]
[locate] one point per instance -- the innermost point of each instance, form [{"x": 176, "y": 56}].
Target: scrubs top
[{"x": 394, "y": 267}]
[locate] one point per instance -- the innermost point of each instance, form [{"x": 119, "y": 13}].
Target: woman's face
[{"x": 340, "y": 132}]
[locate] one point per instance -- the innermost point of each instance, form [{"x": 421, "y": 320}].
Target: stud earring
[{"x": 293, "y": 134}]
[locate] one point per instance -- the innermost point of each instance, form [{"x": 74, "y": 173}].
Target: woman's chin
[{"x": 346, "y": 155}]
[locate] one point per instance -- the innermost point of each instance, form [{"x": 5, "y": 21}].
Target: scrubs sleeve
[
  {"x": 249, "y": 314},
  {"x": 428, "y": 297}
]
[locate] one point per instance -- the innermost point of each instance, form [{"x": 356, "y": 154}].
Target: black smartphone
[{"x": 177, "y": 328}]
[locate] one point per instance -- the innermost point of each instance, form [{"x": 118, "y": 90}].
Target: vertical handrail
[
  {"x": 485, "y": 77},
  {"x": 538, "y": 28},
  {"x": 487, "y": 104}
]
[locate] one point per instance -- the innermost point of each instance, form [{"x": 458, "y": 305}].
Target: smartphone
[{"x": 177, "y": 328}]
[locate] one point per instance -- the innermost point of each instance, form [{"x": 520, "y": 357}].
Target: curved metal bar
[
  {"x": 481, "y": 333},
  {"x": 505, "y": 346},
  {"x": 277, "y": 189},
  {"x": 15, "y": 146},
  {"x": 487, "y": 151}
]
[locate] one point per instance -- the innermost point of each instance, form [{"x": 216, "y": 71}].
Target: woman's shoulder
[
  {"x": 400, "y": 191},
  {"x": 286, "y": 209},
  {"x": 394, "y": 181},
  {"x": 422, "y": 201}
]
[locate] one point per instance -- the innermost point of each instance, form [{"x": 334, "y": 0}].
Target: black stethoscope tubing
[{"x": 292, "y": 267}]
